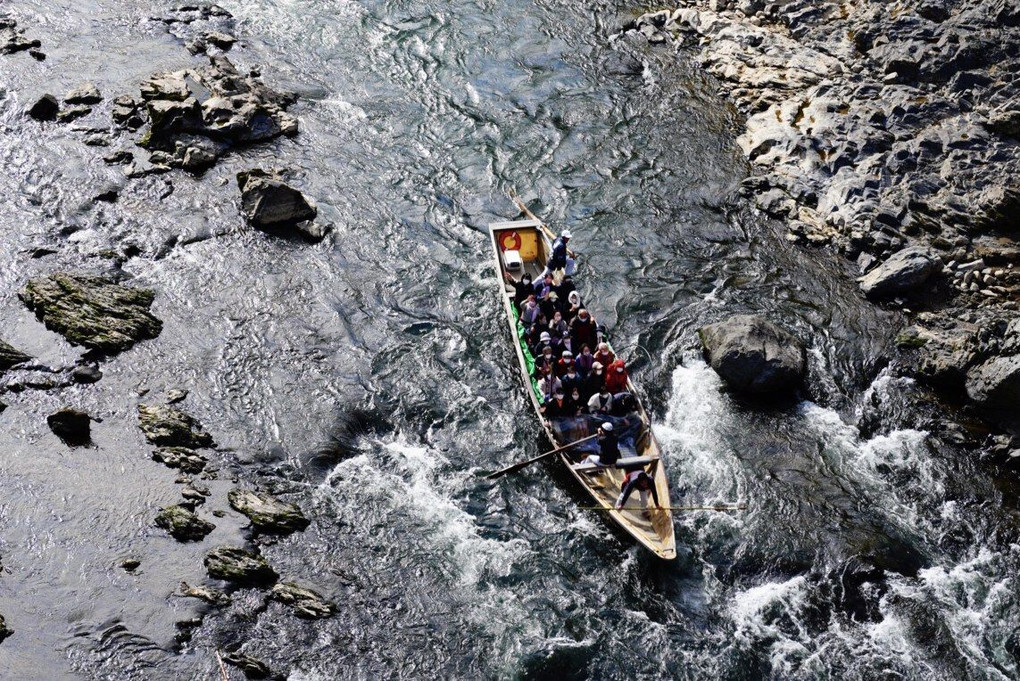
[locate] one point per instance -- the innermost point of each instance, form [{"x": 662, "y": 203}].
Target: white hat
[
  {"x": 565, "y": 234},
  {"x": 596, "y": 366},
  {"x": 607, "y": 426},
  {"x": 545, "y": 336},
  {"x": 568, "y": 353}
]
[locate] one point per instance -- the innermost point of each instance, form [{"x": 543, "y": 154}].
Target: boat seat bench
[{"x": 625, "y": 462}]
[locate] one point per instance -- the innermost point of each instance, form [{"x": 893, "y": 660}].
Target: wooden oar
[
  {"x": 524, "y": 464},
  {"x": 545, "y": 228},
  {"x": 741, "y": 507}
]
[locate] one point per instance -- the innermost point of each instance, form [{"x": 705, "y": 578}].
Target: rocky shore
[{"x": 890, "y": 134}]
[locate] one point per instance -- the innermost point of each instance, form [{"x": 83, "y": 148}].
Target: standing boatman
[{"x": 558, "y": 258}]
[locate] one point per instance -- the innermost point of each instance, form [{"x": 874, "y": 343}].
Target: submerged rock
[
  {"x": 307, "y": 604},
  {"x": 253, "y": 668},
  {"x": 903, "y": 272},
  {"x": 10, "y": 356},
  {"x": 183, "y": 524},
  {"x": 267, "y": 513},
  {"x": 166, "y": 426},
  {"x": 270, "y": 204},
  {"x": 754, "y": 355},
  {"x": 70, "y": 425},
  {"x": 209, "y": 595},
  {"x": 92, "y": 311},
  {"x": 235, "y": 564}
]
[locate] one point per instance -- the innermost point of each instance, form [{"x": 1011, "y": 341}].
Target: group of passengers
[{"x": 577, "y": 373}]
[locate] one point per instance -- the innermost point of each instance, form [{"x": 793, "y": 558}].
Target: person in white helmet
[
  {"x": 558, "y": 258},
  {"x": 609, "y": 448}
]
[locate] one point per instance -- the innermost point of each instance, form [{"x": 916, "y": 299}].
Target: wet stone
[
  {"x": 92, "y": 311},
  {"x": 86, "y": 373},
  {"x": 70, "y": 425},
  {"x": 754, "y": 355},
  {"x": 5, "y": 631},
  {"x": 45, "y": 108},
  {"x": 204, "y": 593},
  {"x": 167, "y": 426},
  {"x": 234, "y": 564},
  {"x": 187, "y": 460},
  {"x": 85, "y": 94},
  {"x": 306, "y": 603},
  {"x": 253, "y": 668},
  {"x": 183, "y": 524},
  {"x": 131, "y": 564},
  {"x": 10, "y": 356},
  {"x": 267, "y": 513},
  {"x": 269, "y": 203}
]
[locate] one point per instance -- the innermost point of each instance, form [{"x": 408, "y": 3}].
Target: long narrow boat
[{"x": 522, "y": 246}]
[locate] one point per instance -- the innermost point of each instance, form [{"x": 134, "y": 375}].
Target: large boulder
[
  {"x": 996, "y": 383},
  {"x": 903, "y": 272},
  {"x": 235, "y": 564},
  {"x": 183, "y": 524},
  {"x": 169, "y": 427},
  {"x": 92, "y": 311},
  {"x": 267, "y": 513},
  {"x": 269, "y": 203},
  {"x": 754, "y": 355},
  {"x": 10, "y": 356},
  {"x": 306, "y": 603}
]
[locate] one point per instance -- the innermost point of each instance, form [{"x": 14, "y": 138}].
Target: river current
[{"x": 370, "y": 377}]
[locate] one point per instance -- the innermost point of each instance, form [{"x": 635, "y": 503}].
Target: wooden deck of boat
[{"x": 604, "y": 485}]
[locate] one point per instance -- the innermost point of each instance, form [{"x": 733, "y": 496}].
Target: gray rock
[
  {"x": 5, "y": 631},
  {"x": 235, "y": 564},
  {"x": 73, "y": 113},
  {"x": 269, "y": 203},
  {"x": 45, "y": 108},
  {"x": 130, "y": 564},
  {"x": 70, "y": 425},
  {"x": 86, "y": 373},
  {"x": 211, "y": 596},
  {"x": 754, "y": 355},
  {"x": 182, "y": 524},
  {"x": 220, "y": 40},
  {"x": 170, "y": 427},
  {"x": 252, "y": 667},
  {"x": 92, "y": 311},
  {"x": 996, "y": 384},
  {"x": 85, "y": 94},
  {"x": 903, "y": 272},
  {"x": 307, "y": 604},
  {"x": 267, "y": 513},
  {"x": 10, "y": 356}
]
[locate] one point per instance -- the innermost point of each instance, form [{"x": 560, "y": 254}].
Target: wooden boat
[{"x": 522, "y": 246}]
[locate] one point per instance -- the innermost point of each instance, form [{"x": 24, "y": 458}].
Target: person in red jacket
[{"x": 616, "y": 377}]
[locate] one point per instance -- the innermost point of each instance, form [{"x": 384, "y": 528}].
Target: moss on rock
[
  {"x": 170, "y": 427},
  {"x": 234, "y": 564},
  {"x": 183, "y": 524},
  {"x": 94, "y": 312}
]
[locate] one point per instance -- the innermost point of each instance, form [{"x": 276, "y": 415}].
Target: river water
[{"x": 370, "y": 378}]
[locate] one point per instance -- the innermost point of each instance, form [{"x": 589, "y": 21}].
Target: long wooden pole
[
  {"x": 667, "y": 508},
  {"x": 523, "y": 464}
]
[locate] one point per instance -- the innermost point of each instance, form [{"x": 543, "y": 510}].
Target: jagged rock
[
  {"x": 182, "y": 524},
  {"x": 996, "y": 384},
  {"x": 307, "y": 604},
  {"x": 941, "y": 357},
  {"x": 267, "y": 513},
  {"x": 119, "y": 157},
  {"x": 212, "y": 596},
  {"x": 85, "y": 94},
  {"x": 187, "y": 460},
  {"x": 92, "y": 311},
  {"x": 12, "y": 39},
  {"x": 253, "y": 668},
  {"x": 754, "y": 355},
  {"x": 45, "y": 108},
  {"x": 10, "y": 356},
  {"x": 70, "y": 425},
  {"x": 235, "y": 564},
  {"x": 73, "y": 113},
  {"x": 220, "y": 40},
  {"x": 902, "y": 272},
  {"x": 200, "y": 113},
  {"x": 269, "y": 203},
  {"x": 166, "y": 426},
  {"x": 5, "y": 631}
]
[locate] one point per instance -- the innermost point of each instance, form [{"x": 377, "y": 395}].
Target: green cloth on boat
[{"x": 529, "y": 360}]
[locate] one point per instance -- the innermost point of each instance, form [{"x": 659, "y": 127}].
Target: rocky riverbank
[{"x": 889, "y": 133}]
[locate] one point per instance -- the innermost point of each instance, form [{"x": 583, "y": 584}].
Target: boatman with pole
[
  {"x": 558, "y": 258},
  {"x": 609, "y": 448}
]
